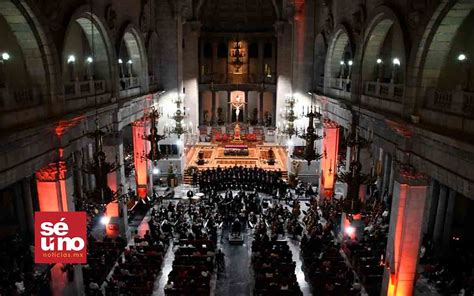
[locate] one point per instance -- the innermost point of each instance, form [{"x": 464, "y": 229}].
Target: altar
[{"x": 211, "y": 155}]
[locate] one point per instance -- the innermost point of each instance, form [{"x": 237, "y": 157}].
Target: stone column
[
  {"x": 214, "y": 58},
  {"x": 140, "y": 149},
  {"x": 386, "y": 172},
  {"x": 329, "y": 160},
  {"x": 261, "y": 65},
  {"x": 191, "y": 32},
  {"x": 116, "y": 211},
  {"x": 229, "y": 108},
  {"x": 392, "y": 177},
  {"x": 303, "y": 43},
  {"x": 404, "y": 239},
  {"x": 28, "y": 205},
  {"x": 448, "y": 220},
  {"x": 440, "y": 214},
  {"x": 284, "y": 73},
  {"x": 379, "y": 169},
  {"x": 20, "y": 208},
  {"x": 260, "y": 108},
  {"x": 432, "y": 208},
  {"x": 55, "y": 188},
  {"x": 214, "y": 109}
]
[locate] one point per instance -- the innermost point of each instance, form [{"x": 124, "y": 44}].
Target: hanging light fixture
[
  {"x": 290, "y": 116},
  {"x": 354, "y": 178},
  {"x": 95, "y": 200},
  {"x": 155, "y": 154},
  {"x": 179, "y": 115},
  {"x": 310, "y": 136}
]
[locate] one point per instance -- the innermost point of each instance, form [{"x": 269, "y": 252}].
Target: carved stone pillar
[
  {"x": 116, "y": 211},
  {"x": 191, "y": 33},
  {"x": 405, "y": 234},
  {"x": 328, "y": 162},
  {"x": 140, "y": 149},
  {"x": 284, "y": 35},
  {"x": 55, "y": 188}
]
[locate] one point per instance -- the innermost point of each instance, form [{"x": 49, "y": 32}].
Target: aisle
[
  {"x": 236, "y": 280},
  {"x": 300, "y": 275}
]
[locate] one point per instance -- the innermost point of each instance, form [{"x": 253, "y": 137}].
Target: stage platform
[{"x": 257, "y": 156}]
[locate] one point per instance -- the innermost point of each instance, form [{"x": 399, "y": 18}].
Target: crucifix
[{"x": 237, "y": 104}]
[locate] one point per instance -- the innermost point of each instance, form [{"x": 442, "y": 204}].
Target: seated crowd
[
  {"x": 272, "y": 259},
  {"x": 195, "y": 233},
  {"x": 327, "y": 271},
  {"x": 451, "y": 272},
  {"x": 366, "y": 253},
  {"x": 17, "y": 273}
]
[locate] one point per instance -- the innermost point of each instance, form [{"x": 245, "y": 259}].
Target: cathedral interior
[{"x": 238, "y": 147}]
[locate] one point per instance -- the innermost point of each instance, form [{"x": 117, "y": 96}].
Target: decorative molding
[
  {"x": 111, "y": 20},
  {"x": 358, "y": 20},
  {"x": 53, "y": 11},
  {"x": 53, "y": 172},
  {"x": 399, "y": 128}
]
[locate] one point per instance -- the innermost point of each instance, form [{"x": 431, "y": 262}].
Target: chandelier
[
  {"x": 155, "y": 153},
  {"x": 310, "y": 135},
  {"x": 290, "y": 116},
  {"x": 237, "y": 55},
  {"x": 179, "y": 115},
  {"x": 94, "y": 201},
  {"x": 354, "y": 178}
]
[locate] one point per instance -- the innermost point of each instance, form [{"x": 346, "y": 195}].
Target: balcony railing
[
  {"x": 11, "y": 99},
  {"x": 389, "y": 91},
  {"x": 79, "y": 89},
  {"x": 129, "y": 82},
  {"x": 343, "y": 84},
  {"x": 456, "y": 101}
]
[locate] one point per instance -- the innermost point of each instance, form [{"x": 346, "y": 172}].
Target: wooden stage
[{"x": 257, "y": 156}]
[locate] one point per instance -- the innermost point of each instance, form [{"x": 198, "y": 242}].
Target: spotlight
[
  {"x": 396, "y": 61},
  {"x": 350, "y": 231},
  {"x": 120, "y": 61},
  {"x": 379, "y": 61},
  {"x": 350, "y": 63},
  {"x": 89, "y": 60},
  {"x": 462, "y": 57},
  {"x": 129, "y": 62},
  {"x": 5, "y": 56},
  {"x": 155, "y": 171},
  {"x": 71, "y": 59},
  {"x": 342, "y": 63},
  {"x": 105, "y": 220}
]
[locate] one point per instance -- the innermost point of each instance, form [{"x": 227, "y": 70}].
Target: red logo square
[{"x": 60, "y": 237}]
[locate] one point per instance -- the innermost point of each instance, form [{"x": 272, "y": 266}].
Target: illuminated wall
[
  {"x": 404, "y": 238},
  {"x": 139, "y": 149},
  {"x": 330, "y": 148}
]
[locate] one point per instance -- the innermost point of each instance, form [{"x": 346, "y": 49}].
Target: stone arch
[
  {"x": 132, "y": 48},
  {"x": 340, "y": 45},
  {"x": 320, "y": 50},
  {"x": 384, "y": 33},
  {"x": 86, "y": 24},
  {"x": 153, "y": 53},
  {"x": 435, "y": 46},
  {"x": 38, "y": 55}
]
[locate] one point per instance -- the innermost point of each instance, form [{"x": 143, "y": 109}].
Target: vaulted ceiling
[{"x": 237, "y": 15}]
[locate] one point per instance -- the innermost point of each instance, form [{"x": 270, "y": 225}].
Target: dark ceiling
[{"x": 237, "y": 15}]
